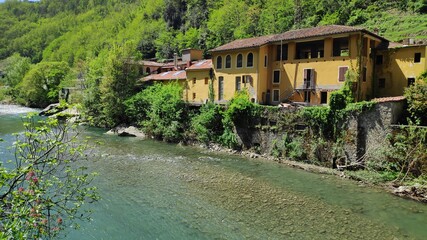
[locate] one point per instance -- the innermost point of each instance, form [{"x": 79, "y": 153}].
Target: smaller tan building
[
  {"x": 198, "y": 79},
  {"x": 397, "y": 66},
  {"x": 194, "y": 80}
]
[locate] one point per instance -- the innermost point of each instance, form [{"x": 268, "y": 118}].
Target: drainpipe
[
  {"x": 281, "y": 65},
  {"x": 175, "y": 61},
  {"x": 257, "y": 81}
]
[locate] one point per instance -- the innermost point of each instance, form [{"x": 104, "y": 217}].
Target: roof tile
[
  {"x": 203, "y": 64},
  {"x": 291, "y": 35},
  {"x": 165, "y": 76}
]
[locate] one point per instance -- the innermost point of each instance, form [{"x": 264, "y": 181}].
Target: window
[
  {"x": 219, "y": 62},
  {"x": 238, "y": 84},
  {"x": 309, "y": 79},
  {"x": 276, "y": 76},
  {"x": 411, "y": 81},
  {"x": 323, "y": 97},
  {"x": 265, "y": 61},
  {"x": 220, "y": 88},
  {"x": 194, "y": 96},
  {"x": 282, "y": 52},
  {"x": 250, "y": 62},
  {"x": 340, "y": 47},
  {"x": 194, "y": 80},
  {"x": 239, "y": 62},
  {"x": 247, "y": 79},
  {"x": 417, "y": 57},
  {"x": 228, "y": 61},
  {"x": 381, "y": 83},
  {"x": 206, "y": 81},
  {"x": 307, "y": 96},
  {"x": 364, "y": 74},
  {"x": 379, "y": 60},
  {"x": 276, "y": 95},
  {"x": 307, "y": 50},
  {"x": 341, "y": 73}
]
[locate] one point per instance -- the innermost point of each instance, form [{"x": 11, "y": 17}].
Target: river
[{"x": 154, "y": 190}]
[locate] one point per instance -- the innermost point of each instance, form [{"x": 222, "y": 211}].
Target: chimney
[
  {"x": 175, "y": 60},
  {"x": 411, "y": 41}
]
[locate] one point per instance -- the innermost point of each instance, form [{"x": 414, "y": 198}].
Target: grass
[{"x": 396, "y": 25}]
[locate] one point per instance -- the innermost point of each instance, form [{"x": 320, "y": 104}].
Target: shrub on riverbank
[
  {"x": 416, "y": 96},
  {"x": 206, "y": 126},
  {"x": 160, "y": 111}
]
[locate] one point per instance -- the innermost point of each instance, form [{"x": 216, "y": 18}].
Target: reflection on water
[{"x": 154, "y": 190}]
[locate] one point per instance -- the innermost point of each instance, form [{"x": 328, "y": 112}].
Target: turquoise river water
[{"x": 153, "y": 190}]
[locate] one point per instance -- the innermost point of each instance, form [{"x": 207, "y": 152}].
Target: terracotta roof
[
  {"x": 151, "y": 63},
  {"x": 202, "y": 64},
  {"x": 315, "y": 32},
  {"x": 388, "y": 45},
  {"x": 244, "y": 43},
  {"x": 292, "y": 35},
  {"x": 165, "y": 76},
  {"x": 389, "y": 99}
]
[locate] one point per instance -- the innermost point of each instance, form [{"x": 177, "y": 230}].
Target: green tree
[
  {"x": 163, "y": 111},
  {"x": 227, "y": 23},
  {"x": 276, "y": 17},
  {"x": 117, "y": 83},
  {"x": 416, "y": 95},
  {"x": 15, "y": 68},
  {"x": 40, "y": 86},
  {"x": 43, "y": 188},
  {"x": 207, "y": 125}
]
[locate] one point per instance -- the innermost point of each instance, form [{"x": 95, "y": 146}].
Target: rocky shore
[{"x": 416, "y": 192}]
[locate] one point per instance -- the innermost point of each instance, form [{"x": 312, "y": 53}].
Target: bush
[
  {"x": 318, "y": 118},
  {"x": 416, "y": 95},
  {"x": 160, "y": 111},
  {"x": 408, "y": 151},
  {"x": 289, "y": 147},
  {"x": 207, "y": 125},
  {"x": 40, "y": 86},
  {"x": 239, "y": 112}
]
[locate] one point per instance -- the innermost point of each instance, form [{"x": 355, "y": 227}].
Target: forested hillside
[
  {"x": 55, "y": 30},
  {"x": 52, "y": 42}
]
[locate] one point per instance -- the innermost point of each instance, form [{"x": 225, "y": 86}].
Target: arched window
[
  {"x": 228, "y": 61},
  {"x": 219, "y": 62},
  {"x": 239, "y": 63},
  {"x": 250, "y": 62}
]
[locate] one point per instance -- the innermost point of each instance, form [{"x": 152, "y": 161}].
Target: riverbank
[
  {"x": 408, "y": 190},
  {"x": 416, "y": 192}
]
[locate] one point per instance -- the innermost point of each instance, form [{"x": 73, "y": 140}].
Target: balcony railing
[{"x": 309, "y": 85}]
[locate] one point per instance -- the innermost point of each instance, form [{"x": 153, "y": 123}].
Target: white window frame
[
  {"x": 278, "y": 96},
  {"x": 222, "y": 62},
  {"x": 280, "y": 76},
  {"x": 242, "y": 60},
  {"x": 253, "y": 60},
  {"x": 338, "y": 77},
  {"x": 231, "y": 62}
]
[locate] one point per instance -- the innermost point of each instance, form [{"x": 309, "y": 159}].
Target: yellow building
[
  {"x": 198, "y": 77},
  {"x": 302, "y": 65},
  {"x": 194, "y": 80},
  {"x": 398, "y": 66}
]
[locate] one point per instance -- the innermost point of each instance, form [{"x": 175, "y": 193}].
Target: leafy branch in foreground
[{"x": 43, "y": 189}]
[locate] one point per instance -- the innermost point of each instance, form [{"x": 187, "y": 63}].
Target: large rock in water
[
  {"x": 124, "y": 131},
  {"x": 51, "y": 110}
]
